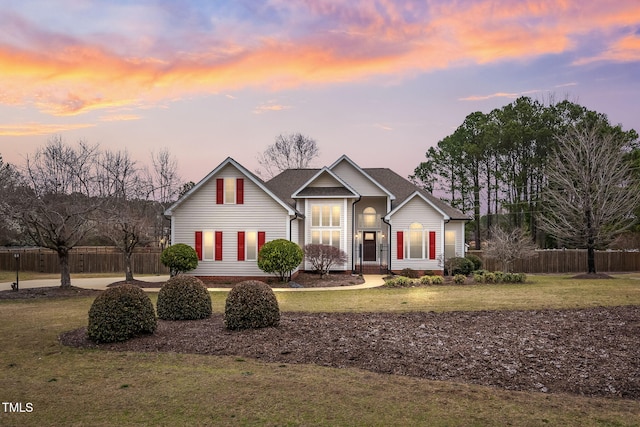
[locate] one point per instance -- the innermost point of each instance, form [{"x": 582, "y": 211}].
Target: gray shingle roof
[
  {"x": 403, "y": 188},
  {"x": 284, "y": 185}
]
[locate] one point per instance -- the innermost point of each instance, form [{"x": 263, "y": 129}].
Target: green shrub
[
  {"x": 280, "y": 256},
  {"x": 399, "y": 282},
  {"x": 410, "y": 273},
  {"x": 459, "y": 265},
  {"x": 184, "y": 298},
  {"x": 179, "y": 258},
  {"x": 251, "y": 304},
  {"x": 514, "y": 278},
  {"x": 121, "y": 313},
  {"x": 479, "y": 276},
  {"x": 425, "y": 280},
  {"x": 489, "y": 278},
  {"x": 499, "y": 276},
  {"x": 437, "y": 280},
  {"x": 459, "y": 279},
  {"x": 477, "y": 262}
]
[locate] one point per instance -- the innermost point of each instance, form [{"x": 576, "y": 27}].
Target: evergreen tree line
[{"x": 494, "y": 167}]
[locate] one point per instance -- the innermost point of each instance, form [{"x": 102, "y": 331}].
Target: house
[{"x": 381, "y": 220}]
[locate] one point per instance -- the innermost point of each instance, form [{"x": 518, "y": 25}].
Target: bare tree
[
  {"x": 127, "y": 217},
  {"x": 591, "y": 193},
  {"x": 56, "y": 205},
  {"x": 509, "y": 246},
  {"x": 164, "y": 183},
  {"x": 323, "y": 257},
  {"x": 293, "y": 151}
]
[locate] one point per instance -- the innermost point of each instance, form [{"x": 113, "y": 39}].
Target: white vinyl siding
[
  {"x": 200, "y": 213},
  {"x": 359, "y": 182},
  {"x": 417, "y": 211}
]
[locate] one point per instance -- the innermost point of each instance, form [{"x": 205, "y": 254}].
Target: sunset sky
[{"x": 378, "y": 80}]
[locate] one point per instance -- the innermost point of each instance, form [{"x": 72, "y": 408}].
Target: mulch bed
[
  {"x": 591, "y": 352},
  {"x": 49, "y": 292}
]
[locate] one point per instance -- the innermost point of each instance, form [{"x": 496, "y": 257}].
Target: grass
[{"x": 88, "y": 387}]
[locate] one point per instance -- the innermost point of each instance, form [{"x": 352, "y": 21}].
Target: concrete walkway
[{"x": 371, "y": 281}]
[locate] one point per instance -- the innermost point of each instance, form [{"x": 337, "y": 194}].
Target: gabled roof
[
  {"x": 246, "y": 173},
  {"x": 364, "y": 173},
  {"x": 405, "y": 190},
  {"x": 288, "y": 181},
  {"x": 342, "y": 190}
]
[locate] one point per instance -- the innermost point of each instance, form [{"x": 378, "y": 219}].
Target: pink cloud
[{"x": 329, "y": 42}]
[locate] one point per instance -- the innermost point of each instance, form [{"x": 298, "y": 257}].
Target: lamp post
[{"x": 16, "y": 285}]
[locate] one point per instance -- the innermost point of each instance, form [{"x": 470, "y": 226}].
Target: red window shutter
[
  {"x": 239, "y": 191},
  {"x": 219, "y": 191},
  {"x": 199, "y": 244},
  {"x": 218, "y": 244},
  {"x": 241, "y": 245},
  {"x": 262, "y": 236},
  {"x": 432, "y": 245},
  {"x": 400, "y": 243}
]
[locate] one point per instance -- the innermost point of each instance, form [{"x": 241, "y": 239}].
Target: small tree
[
  {"x": 179, "y": 258},
  {"x": 509, "y": 246},
  {"x": 280, "y": 256},
  {"x": 323, "y": 257}
]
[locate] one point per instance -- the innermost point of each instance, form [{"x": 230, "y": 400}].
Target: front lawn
[{"x": 68, "y": 386}]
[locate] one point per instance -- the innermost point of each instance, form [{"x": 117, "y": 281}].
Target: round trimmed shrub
[
  {"x": 179, "y": 258},
  {"x": 251, "y": 304},
  {"x": 459, "y": 265},
  {"x": 121, "y": 313},
  {"x": 281, "y": 257},
  {"x": 475, "y": 259},
  {"x": 184, "y": 298}
]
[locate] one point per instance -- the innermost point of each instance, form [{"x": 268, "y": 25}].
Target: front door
[{"x": 369, "y": 246}]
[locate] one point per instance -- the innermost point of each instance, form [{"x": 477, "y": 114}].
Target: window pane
[
  {"x": 335, "y": 239},
  {"x": 207, "y": 243},
  {"x": 415, "y": 244},
  {"x": 315, "y": 216},
  {"x": 315, "y": 237},
  {"x": 335, "y": 216},
  {"x": 230, "y": 190},
  {"x": 369, "y": 217},
  {"x": 252, "y": 245},
  {"x": 449, "y": 244},
  {"x": 326, "y": 237},
  {"x": 326, "y": 210}
]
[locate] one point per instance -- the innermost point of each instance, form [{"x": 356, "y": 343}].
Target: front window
[
  {"x": 416, "y": 241},
  {"x": 369, "y": 217},
  {"x": 449, "y": 244},
  {"x": 252, "y": 245},
  {"x": 325, "y": 225},
  {"x": 207, "y": 245},
  {"x": 229, "y": 190}
]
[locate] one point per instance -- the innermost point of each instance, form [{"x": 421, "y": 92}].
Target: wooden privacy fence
[
  {"x": 83, "y": 260},
  {"x": 568, "y": 261}
]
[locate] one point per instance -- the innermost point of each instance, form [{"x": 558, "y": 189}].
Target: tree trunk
[
  {"x": 128, "y": 271},
  {"x": 65, "y": 276},
  {"x": 591, "y": 259}
]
